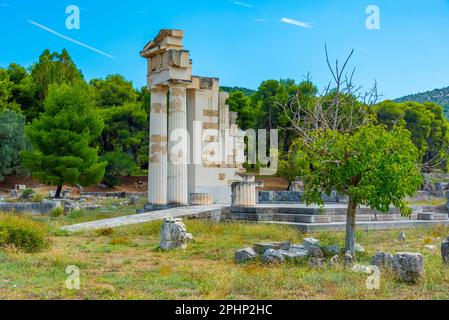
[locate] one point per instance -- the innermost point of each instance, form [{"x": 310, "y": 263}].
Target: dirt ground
[{"x": 129, "y": 184}]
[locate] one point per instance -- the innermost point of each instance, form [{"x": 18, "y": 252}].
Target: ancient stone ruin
[
  {"x": 195, "y": 144},
  {"x": 174, "y": 234}
]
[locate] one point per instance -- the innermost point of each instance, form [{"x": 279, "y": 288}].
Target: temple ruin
[{"x": 196, "y": 148}]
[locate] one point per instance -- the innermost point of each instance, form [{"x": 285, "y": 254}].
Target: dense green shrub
[
  {"x": 23, "y": 233},
  {"x": 57, "y": 212}
]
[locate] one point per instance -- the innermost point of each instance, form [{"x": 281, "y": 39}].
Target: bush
[
  {"x": 27, "y": 193},
  {"x": 22, "y": 233},
  {"x": 56, "y": 212},
  {"x": 38, "y": 197},
  {"x": 119, "y": 164}
]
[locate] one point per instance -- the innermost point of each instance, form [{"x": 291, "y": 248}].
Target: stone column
[
  {"x": 244, "y": 192},
  {"x": 157, "y": 176},
  {"x": 177, "y": 146}
]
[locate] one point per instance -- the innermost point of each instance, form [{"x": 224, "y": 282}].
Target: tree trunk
[
  {"x": 58, "y": 192},
  {"x": 350, "y": 226}
]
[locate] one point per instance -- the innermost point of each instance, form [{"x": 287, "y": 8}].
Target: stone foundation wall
[{"x": 30, "y": 207}]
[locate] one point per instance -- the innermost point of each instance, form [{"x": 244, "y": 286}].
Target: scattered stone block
[
  {"x": 402, "y": 236},
  {"x": 358, "y": 248},
  {"x": 133, "y": 200},
  {"x": 430, "y": 247},
  {"x": 349, "y": 260},
  {"x": 382, "y": 259},
  {"x": 272, "y": 256},
  {"x": 173, "y": 234},
  {"x": 334, "y": 260},
  {"x": 331, "y": 250},
  {"x": 317, "y": 262},
  {"x": 445, "y": 251},
  {"x": 315, "y": 252},
  {"x": 408, "y": 266},
  {"x": 293, "y": 255},
  {"x": 260, "y": 248},
  {"x": 245, "y": 255},
  {"x": 310, "y": 242}
]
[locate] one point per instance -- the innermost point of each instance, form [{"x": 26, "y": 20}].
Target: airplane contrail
[{"x": 69, "y": 39}]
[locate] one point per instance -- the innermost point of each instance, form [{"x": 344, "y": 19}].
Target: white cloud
[
  {"x": 142, "y": 12},
  {"x": 69, "y": 39},
  {"x": 297, "y": 23},
  {"x": 260, "y": 20}
]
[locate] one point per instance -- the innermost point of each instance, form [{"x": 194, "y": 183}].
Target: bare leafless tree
[{"x": 341, "y": 106}]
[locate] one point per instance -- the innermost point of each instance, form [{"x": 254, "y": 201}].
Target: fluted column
[
  {"x": 177, "y": 146},
  {"x": 157, "y": 175},
  {"x": 244, "y": 192}
]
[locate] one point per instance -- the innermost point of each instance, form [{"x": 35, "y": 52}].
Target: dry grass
[{"x": 128, "y": 264}]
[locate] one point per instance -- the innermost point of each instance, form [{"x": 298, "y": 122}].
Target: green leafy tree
[
  {"x": 113, "y": 91},
  {"x": 428, "y": 127},
  {"x": 12, "y": 141},
  {"x": 373, "y": 167},
  {"x": 62, "y": 139},
  {"x": 248, "y": 114},
  {"x": 126, "y": 130},
  {"x": 119, "y": 164}
]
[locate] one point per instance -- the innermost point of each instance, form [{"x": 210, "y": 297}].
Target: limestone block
[
  {"x": 382, "y": 259},
  {"x": 310, "y": 242},
  {"x": 408, "y": 266},
  {"x": 201, "y": 199},
  {"x": 331, "y": 250},
  {"x": 272, "y": 256},
  {"x": 245, "y": 255},
  {"x": 173, "y": 234},
  {"x": 260, "y": 248}
]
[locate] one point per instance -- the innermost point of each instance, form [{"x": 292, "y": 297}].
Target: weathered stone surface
[
  {"x": 297, "y": 247},
  {"x": 331, "y": 250},
  {"x": 382, "y": 259},
  {"x": 260, "y": 248},
  {"x": 310, "y": 242},
  {"x": 408, "y": 266},
  {"x": 272, "y": 256},
  {"x": 173, "y": 234},
  {"x": 315, "y": 252},
  {"x": 133, "y": 200},
  {"x": 445, "y": 251},
  {"x": 245, "y": 255},
  {"x": 293, "y": 254},
  {"x": 71, "y": 206},
  {"x": 349, "y": 260},
  {"x": 358, "y": 248},
  {"x": 334, "y": 260},
  {"x": 316, "y": 262}
]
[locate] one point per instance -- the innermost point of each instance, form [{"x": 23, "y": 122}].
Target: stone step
[
  {"x": 306, "y": 218},
  {"x": 432, "y": 216},
  {"x": 304, "y": 210}
]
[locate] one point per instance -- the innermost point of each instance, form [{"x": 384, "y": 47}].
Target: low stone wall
[
  {"x": 30, "y": 207},
  {"x": 115, "y": 194},
  {"x": 265, "y": 197}
]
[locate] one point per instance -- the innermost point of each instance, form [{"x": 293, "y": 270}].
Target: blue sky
[{"x": 243, "y": 42}]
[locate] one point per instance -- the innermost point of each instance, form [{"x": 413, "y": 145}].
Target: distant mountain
[
  {"x": 439, "y": 96},
  {"x": 246, "y": 91}
]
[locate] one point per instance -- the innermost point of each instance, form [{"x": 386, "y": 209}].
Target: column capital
[{"x": 159, "y": 89}]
